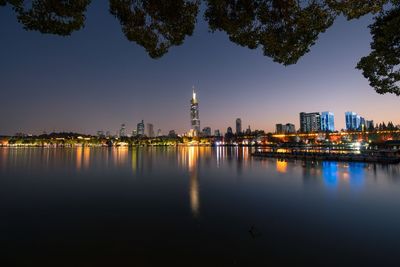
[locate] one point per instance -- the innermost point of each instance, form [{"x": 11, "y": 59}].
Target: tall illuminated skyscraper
[
  {"x": 194, "y": 114},
  {"x": 140, "y": 128},
  {"x": 238, "y": 126},
  {"x": 327, "y": 121}
]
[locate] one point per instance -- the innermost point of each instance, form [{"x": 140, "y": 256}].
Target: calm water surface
[{"x": 192, "y": 206}]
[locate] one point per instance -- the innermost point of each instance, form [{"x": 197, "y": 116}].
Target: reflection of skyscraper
[
  {"x": 140, "y": 128},
  {"x": 238, "y": 126},
  {"x": 194, "y": 114}
]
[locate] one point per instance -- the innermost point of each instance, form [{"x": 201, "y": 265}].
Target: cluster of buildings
[
  {"x": 311, "y": 122},
  {"x": 355, "y": 122},
  {"x": 206, "y": 131},
  {"x": 325, "y": 122}
]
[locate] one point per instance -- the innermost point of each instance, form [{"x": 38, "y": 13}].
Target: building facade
[
  {"x": 122, "y": 132},
  {"x": 353, "y": 121},
  {"x": 290, "y": 128},
  {"x": 238, "y": 126},
  {"x": 140, "y": 128},
  {"x": 310, "y": 122},
  {"x": 285, "y": 128},
  {"x": 150, "y": 130},
  {"x": 327, "y": 121},
  {"x": 194, "y": 114}
]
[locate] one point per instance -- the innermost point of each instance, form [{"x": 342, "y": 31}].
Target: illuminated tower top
[
  {"x": 194, "y": 114},
  {"x": 194, "y": 100}
]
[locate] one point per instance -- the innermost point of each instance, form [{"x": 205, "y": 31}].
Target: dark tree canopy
[
  {"x": 382, "y": 66},
  {"x": 156, "y": 25},
  {"x": 285, "y": 30}
]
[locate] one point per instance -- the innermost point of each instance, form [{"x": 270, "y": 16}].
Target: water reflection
[
  {"x": 330, "y": 174},
  {"x": 335, "y": 173},
  {"x": 281, "y": 166},
  {"x": 192, "y": 160},
  {"x": 191, "y": 157}
]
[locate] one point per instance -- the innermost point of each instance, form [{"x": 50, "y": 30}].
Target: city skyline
[{"x": 95, "y": 83}]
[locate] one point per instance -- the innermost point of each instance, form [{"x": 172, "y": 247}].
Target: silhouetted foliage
[
  {"x": 156, "y": 25},
  {"x": 60, "y": 17},
  {"x": 382, "y": 66},
  {"x": 284, "y": 29}
]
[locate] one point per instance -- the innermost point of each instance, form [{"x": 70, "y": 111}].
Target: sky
[{"x": 96, "y": 79}]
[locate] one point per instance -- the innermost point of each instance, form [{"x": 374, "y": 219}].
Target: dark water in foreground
[{"x": 193, "y": 207}]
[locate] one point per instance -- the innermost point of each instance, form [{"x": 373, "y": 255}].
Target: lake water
[{"x": 188, "y": 206}]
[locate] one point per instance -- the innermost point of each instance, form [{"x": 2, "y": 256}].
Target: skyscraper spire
[
  {"x": 194, "y": 114},
  {"x": 194, "y": 94}
]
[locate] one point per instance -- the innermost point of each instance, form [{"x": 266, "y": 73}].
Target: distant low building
[
  {"x": 238, "y": 126},
  {"x": 248, "y": 131},
  {"x": 206, "y": 131},
  {"x": 122, "y": 130},
  {"x": 150, "y": 130},
  {"x": 140, "y": 128},
  {"x": 285, "y": 128},
  {"x": 172, "y": 133},
  {"x": 369, "y": 124},
  {"x": 290, "y": 128}
]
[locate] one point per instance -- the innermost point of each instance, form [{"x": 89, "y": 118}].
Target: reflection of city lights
[
  {"x": 120, "y": 155},
  {"x": 134, "y": 161},
  {"x": 86, "y": 157},
  {"x": 281, "y": 166},
  {"x": 192, "y": 159},
  {"x": 79, "y": 151},
  {"x": 194, "y": 194}
]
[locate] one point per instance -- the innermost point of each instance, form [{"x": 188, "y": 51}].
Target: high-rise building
[
  {"x": 369, "y": 125},
  {"x": 362, "y": 124},
  {"x": 122, "y": 130},
  {"x": 290, "y": 128},
  {"x": 150, "y": 130},
  {"x": 280, "y": 128},
  {"x": 206, "y": 131},
  {"x": 134, "y": 132},
  {"x": 217, "y": 133},
  {"x": 327, "y": 121},
  {"x": 238, "y": 126},
  {"x": 353, "y": 121},
  {"x": 310, "y": 122},
  {"x": 140, "y": 128},
  {"x": 194, "y": 114}
]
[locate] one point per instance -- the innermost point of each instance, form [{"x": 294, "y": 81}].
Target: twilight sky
[{"x": 96, "y": 79}]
